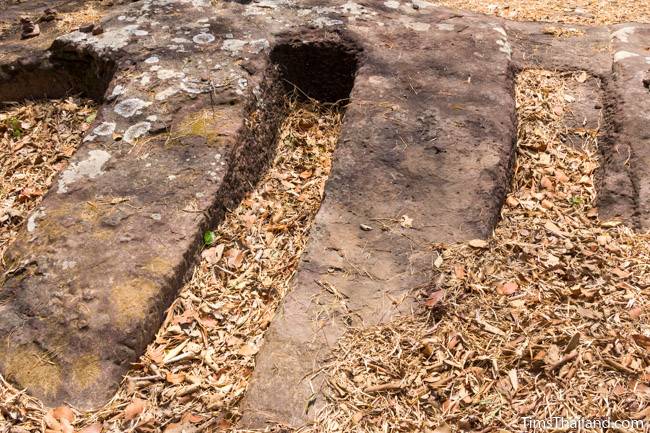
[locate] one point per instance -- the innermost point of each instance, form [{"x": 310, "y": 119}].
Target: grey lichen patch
[
  {"x": 117, "y": 91},
  {"x": 32, "y": 220},
  {"x": 130, "y": 107},
  {"x": 166, "y": 74},
  {"x": 504, "y": 45},
  {"x": 194, "y": 87},
  {"x": 321, "y": 22},
  {"x": 167, "y": 93},
  {"x": 111, "y": 40},
  {"x": 105, "y": 128},
  {"x": 89, "y": 168},
  {"x": 203, "y": 38},
  {"x": 136, "y": 131},
  {"x": 234, "y": 46},
  {"x": 414, "y": 25}
]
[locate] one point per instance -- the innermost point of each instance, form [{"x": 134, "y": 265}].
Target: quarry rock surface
[{"x": 191, "y": 97}]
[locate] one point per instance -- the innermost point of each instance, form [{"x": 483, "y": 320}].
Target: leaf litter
[
  {"x": 197, "y": 369},
  {"x": 583, "y": 12},
  {"x": 549, "y": 317},
  {"x": 36, "y": 140}
]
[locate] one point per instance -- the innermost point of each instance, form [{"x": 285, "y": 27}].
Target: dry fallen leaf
[
  {"x": 135, "y": 408},
  {"x": 443, "y": 428},
  {"x": 478, "y": 243},
  {"x": 213, "y": 255},
  {"x": 434, "y": 298},
  {"x": 512, "y": 374},
  {"x": 66, "y": 426},
  {"x": 507, "y": 288},
  {"x": 620, "y": 273},
  {"x": 175, "y": 378},
  {"x": 51, "y": 422},
  {"x": 546, "y": 183},
  {"x": 92, "y": 428},
  {"x": 642, "y": 340},
  {"x": 63, "y": 412},
  {"x": 635, "y": 312},
  {"x": 459, "y": 271},
  {"x": 234, "y": 258},
  {"x": 248, "y": 349}
]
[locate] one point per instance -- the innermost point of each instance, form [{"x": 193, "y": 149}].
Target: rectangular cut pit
[
  {"x": 115, "y": 238},
  {"x": 423, "y": 158}
]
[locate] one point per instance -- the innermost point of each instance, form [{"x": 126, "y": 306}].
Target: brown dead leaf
[
  {"x": 214, "y": 254},
  {"x": 248, "y": 349},
  {"x": 92, "y": 428},
  {"x": 635, "y": 313},
  {"x": 443, "y": 428},
  {"x": 507, "y": 288},
  {"x": 620, "y": 273},
  {"x": 234, "y": 258},
  {"x": 546, "y": 183},
  {"x": 551, "y": 227},
  {"x": 642, "y": 340},
  {"x": 133, "y": 409},
  {"x": 66, "y": 426},
  {"x": 63, "y": 412},
  {"x": 514, "y": 381},
  {"x": 175, "y": 378},
  {"x": 434, "y": 298},
  {"x": 51, "y": 421},
  {"x": 478, "y": 243},
  {"x": 561, "y": 177},
  {"x": 192, "y": 418},
  {"x": 459, "y": 271},
  {"x": 156, "y": 354}
]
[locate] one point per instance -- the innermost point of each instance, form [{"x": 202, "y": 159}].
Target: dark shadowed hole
[
  {"x": 321, "y": 70},
  {"x": 61, "y": 74}
]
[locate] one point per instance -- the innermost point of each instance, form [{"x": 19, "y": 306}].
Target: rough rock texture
[{"x": 191, "y": 92}]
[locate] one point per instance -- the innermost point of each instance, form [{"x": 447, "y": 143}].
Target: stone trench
[{"x": 429, "y": 131}]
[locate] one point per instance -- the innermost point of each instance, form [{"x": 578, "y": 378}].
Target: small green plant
[
  {"x": 209, "y": 237},
  {"x": 13, "y": 124},
  {"x": 577, "y": 201}
]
